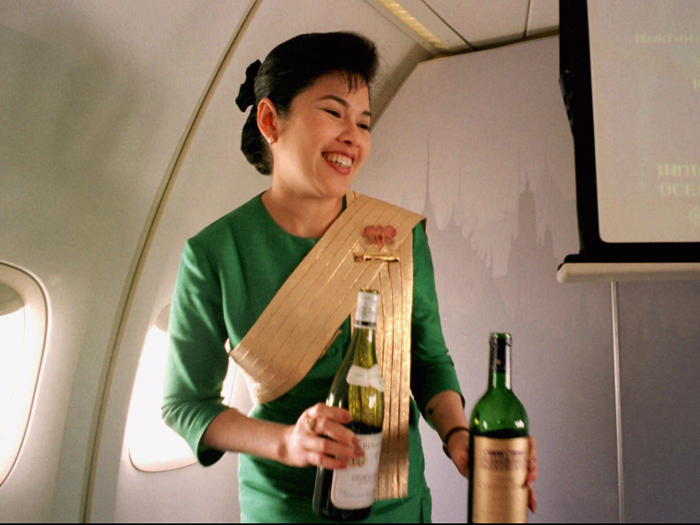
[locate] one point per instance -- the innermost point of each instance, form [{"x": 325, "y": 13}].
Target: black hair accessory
[{"x": 246, "y": 94}]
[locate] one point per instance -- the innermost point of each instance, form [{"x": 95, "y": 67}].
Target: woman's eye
[
  {"x": 333, "y": 112},
  {"x": 363, "y": 126}
]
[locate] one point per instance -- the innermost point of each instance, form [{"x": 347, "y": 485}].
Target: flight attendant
[{"x": 265, "y": 277}]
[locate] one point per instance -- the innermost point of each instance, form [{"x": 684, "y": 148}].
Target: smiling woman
[
  {"x": 291, "y": 68},
  {"x": 318, "y": 150},
  {"x": 279, "y": 277}
]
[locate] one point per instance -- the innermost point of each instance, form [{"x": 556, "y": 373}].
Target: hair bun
[{"x": 246, "y": 94}]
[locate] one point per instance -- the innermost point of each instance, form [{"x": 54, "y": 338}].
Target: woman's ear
[{"x": 268, "y": 120}]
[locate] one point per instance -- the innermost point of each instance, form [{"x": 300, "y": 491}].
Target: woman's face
[{"x": 324, "y": 140}]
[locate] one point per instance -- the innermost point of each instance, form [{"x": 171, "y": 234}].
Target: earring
[{"x": 270, "y": 139}]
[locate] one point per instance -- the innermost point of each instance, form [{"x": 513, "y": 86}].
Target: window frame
[
  {"x": 140, "y": 443},
  {"x": 36, "y": 326}
]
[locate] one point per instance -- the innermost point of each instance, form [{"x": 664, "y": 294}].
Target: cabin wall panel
[
  {"x": 94, "y": 97},
  {"x": 480, "y": 144},
  {"x": 659, "y": 344}
]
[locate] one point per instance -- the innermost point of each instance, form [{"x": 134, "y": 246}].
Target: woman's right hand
[{"x": 320, "y": 438}]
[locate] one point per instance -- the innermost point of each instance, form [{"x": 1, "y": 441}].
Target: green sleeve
[
  {"x": 432, "y": 368},
  {"x": 197, "y": 361}
]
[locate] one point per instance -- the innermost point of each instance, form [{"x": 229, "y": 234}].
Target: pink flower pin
[{"x": 378, "y": 235}]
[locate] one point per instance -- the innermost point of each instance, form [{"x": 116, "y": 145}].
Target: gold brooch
[{"x": 376, "y": 237}]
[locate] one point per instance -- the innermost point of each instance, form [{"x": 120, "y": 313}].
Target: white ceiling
[
  {"x": 469, "y": 25},
  {"x": 138, "y": 31}
]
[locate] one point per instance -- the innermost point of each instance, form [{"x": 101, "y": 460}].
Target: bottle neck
[
  {"x": 367, "y": 309},
  {"x": 365, "y": 324},
  {"x": 369, "y": 326},
  {"x": 362, "y": 345},
  {"x": 500, "y": 364}
]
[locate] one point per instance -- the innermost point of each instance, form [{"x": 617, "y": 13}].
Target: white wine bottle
[
  {"x": 499, "y": 446},
  {"x": 348, "y": 494}
]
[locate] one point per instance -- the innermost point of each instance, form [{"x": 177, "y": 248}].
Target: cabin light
[{"x": 412, "y": 23}]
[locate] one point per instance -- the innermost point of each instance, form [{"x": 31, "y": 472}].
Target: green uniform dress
[{"x": 228, "y": 274}]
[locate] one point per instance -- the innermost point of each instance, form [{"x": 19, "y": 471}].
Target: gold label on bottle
[{"x": 499, "y": 494}]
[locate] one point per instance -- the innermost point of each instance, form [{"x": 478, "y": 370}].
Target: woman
[{"x": 309, "y": 129}]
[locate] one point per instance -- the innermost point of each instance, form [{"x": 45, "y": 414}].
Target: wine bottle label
[
  {"x": 368, "y": 377},
  {"x": 354, "y": 487},
  {"x": 499, "y": 493}
]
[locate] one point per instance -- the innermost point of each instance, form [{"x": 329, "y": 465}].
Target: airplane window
[
  {"x": 12, "y": 337},
  {"x": 22, "y": 336},
  {"x": 152, "y": 445}
]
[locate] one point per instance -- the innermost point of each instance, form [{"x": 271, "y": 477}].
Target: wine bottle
[
  {"x": 348, "y": 494},
  {"x": 499, "y": 446}
]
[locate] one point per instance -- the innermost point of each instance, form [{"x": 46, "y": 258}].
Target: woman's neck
[{"x": 299, "y": 216}]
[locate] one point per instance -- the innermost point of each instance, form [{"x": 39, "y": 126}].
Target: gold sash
[{"x": 301, "y": 321}]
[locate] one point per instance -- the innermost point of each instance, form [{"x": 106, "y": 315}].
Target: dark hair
[{"x": 289, "y": 69}]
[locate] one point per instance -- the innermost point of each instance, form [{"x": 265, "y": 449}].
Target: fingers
[
  {"x": 327, "y": 416},
  {"x": 330, "y": 422},
  {"x": 532, "y": 473},
  {"x": 326, "y": 441},
  {"x": 532, "y": 500},
  {"x": 320, "y": 410},
  {"x": 324, "y": 452}
]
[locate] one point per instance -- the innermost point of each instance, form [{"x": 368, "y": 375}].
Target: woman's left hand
[
  {"x": 458, "y": 448},
  {"x": 532, "y": 475}
]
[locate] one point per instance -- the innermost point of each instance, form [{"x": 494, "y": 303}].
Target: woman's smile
[
  {"x": 340, "y": 161},
  {"x": 324, "y": 140}
]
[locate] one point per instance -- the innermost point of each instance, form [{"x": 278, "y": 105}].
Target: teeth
[{"x": 340, "y": 160}]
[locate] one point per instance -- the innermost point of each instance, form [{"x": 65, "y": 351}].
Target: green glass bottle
[
  {"x": 499, "y": 446},
  {"x": 348, "y": 494}
]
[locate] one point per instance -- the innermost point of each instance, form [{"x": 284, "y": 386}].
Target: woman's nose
[{"x": 351, "y": 134}]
